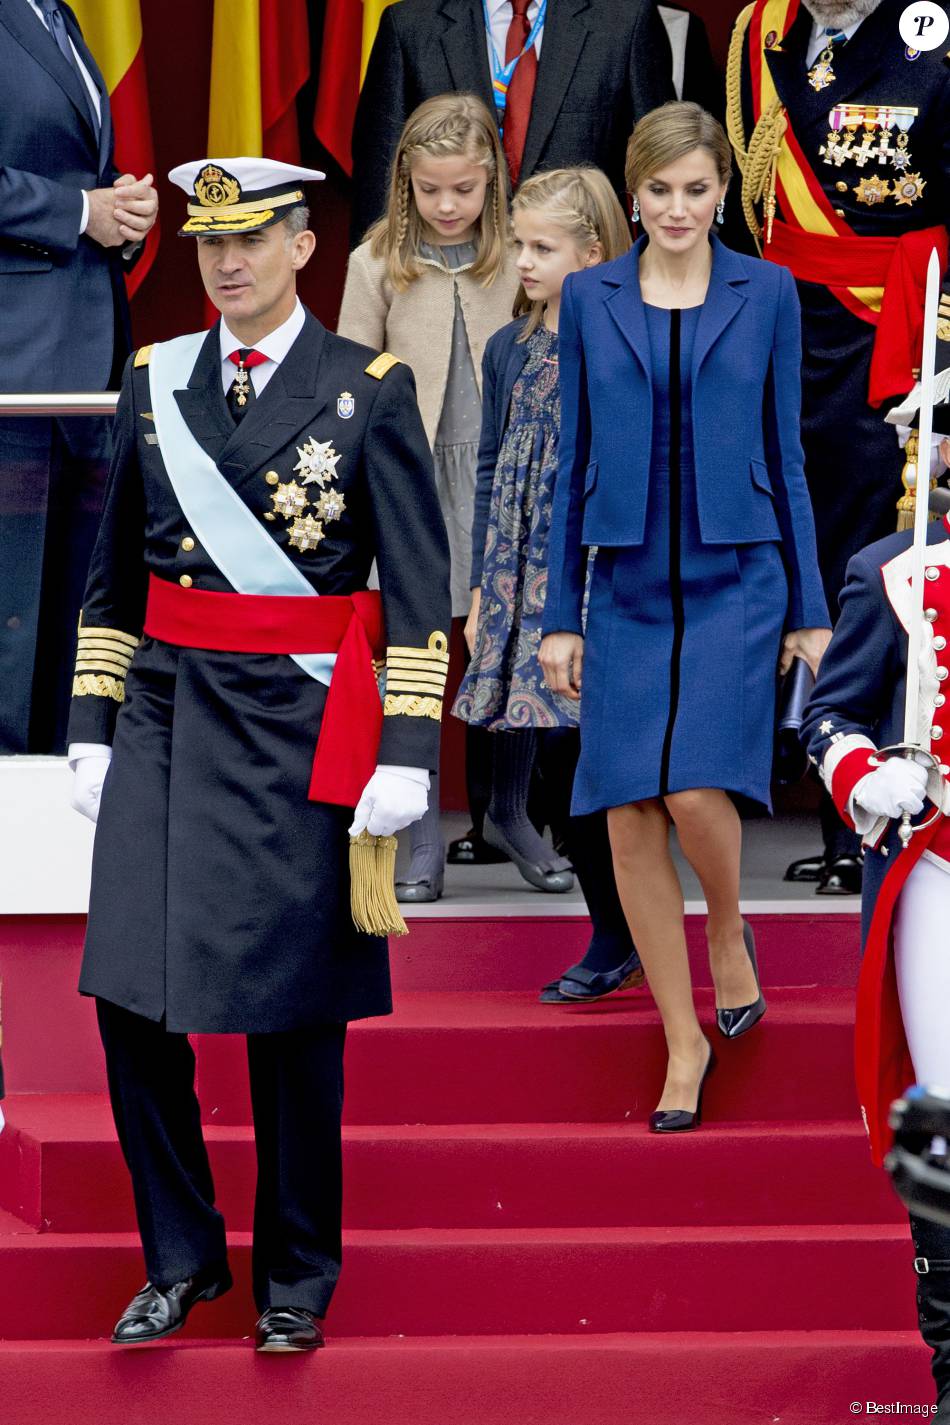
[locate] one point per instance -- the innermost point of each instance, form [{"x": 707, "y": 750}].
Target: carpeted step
[
  {"x": 797, "y": 1378},
  {"x": 486, "y": 1058},
  {"x": 521, "y": 1281},
  {"x": 62, "y": 1171}
]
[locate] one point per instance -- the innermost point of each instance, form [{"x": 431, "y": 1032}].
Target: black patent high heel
[
  {"x": 735, "y": 1022},
  {"x": 680, "y": 1120}
]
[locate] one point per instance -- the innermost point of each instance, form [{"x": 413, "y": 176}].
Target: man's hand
[
  {"x": 393, "y": 798},
  {"x": 895, "y": 787},
  {"x": 562, "y": 659},
  {"x": 136, "y": 206},
  {"x": 90, "y": 763},
  {"x": 123, "y": 213}
]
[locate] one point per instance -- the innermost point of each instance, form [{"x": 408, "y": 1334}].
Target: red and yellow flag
[
  {"x": 114, "y": 35},
  {"x": 260, "y": 58},
  {"x": 349, "y": 30}
]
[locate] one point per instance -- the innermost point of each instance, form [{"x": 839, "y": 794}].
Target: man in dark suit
[
  {"x": 259, "y": 469},
  {"x": 69, "y": 226},
  {"x": 593, "y": 68}
]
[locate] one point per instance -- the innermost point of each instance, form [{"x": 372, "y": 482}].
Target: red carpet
[{"x": 518, "y": 1248}]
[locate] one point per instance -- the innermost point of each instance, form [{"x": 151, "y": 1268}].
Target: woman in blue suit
[{"x": 680, "y": 461}]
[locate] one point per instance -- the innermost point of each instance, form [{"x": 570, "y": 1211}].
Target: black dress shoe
[
  {"x": 154, "y": 1313},
  {"x": 579, "y": 984},
  {"x": 473, "y": 850},
  {"x": 680, "y": 1120},
  {"x": 809, "y": 868},
  {"x": 735, "y": 1022},
  {"x": 288, "y": 1328},
  {"x": 842, "y": 877}
]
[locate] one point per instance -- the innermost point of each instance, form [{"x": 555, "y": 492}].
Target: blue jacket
[
  {"x": 60, "y": 294},
  {"x": 746, "y": 382},
  {"x": 502, "y": 364}
]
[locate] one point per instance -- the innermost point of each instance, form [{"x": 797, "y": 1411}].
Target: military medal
[
  {"x": 821, "y": 73},
  {"x": 330, "y": 505},
  {"x": 908, "y": 188},
  {"x": 242, "y": 380},
  {"x": 345, "y": 405},
  {"x": 872, "y": 190},
  {"x": 306, "y": 533},
  {"x": 317, "y": 463},
  {"x": 289, "y": 500}
]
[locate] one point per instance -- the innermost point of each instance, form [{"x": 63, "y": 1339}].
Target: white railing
[{"x": 59, "y": 403}]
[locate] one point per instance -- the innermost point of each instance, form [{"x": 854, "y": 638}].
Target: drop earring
[
  {"x": 635, "y": 213},
  {"x": 721, "y": 211}
]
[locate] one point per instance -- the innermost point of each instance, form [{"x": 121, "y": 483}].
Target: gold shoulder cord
[{"x": 757, "y": 163}]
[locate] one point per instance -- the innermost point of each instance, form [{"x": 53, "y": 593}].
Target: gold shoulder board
[
  {"x": 143, "y": 356},
  {"x": 381, "y": 364}
]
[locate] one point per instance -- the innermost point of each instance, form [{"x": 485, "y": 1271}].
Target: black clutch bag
[{"x": 790, "y": 761}]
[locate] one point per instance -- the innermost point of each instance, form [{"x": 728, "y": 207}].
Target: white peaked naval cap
[{"x": 238, "y": 195}]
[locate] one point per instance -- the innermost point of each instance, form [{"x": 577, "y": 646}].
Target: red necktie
[
  {"x": 521, "y": 88},
  {"x": 242, "y": 393}
]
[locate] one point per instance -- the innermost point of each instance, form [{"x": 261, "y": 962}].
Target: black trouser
[{"x": 297, "y": 1098}]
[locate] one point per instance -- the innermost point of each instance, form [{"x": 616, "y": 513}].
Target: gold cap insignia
[{"x": 214, "y": 187}]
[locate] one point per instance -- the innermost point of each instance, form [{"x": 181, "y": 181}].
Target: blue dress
[
  {"x": 503, "y": 689},
  {"x": 682, "y": 637}
]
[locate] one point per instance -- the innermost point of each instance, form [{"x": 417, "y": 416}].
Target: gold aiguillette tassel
[
  {"x": 907, "y": 503},
  {"x": 373, "y": 901}
]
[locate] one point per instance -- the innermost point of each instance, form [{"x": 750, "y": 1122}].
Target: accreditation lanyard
[{"x": 502, "y": 73}]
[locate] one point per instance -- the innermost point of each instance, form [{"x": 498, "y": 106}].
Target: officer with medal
[
  {"x": 840, "y": 134},
  {"x": 227, "y": 719}
]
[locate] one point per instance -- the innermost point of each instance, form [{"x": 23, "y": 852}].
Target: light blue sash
[{"x": 234, "y": 541}]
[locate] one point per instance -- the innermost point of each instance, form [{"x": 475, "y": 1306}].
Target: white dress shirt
[
  {"x": 94, "y": 95},
  {"x": 820, "y": 37},
  {"x": 275, "y": 346},
  {"x": 499, "y": 13}
]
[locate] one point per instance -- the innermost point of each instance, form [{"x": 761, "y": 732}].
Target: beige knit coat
[{"x": 416, "y": 325}]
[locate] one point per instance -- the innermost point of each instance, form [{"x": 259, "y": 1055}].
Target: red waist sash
[
  {"x": 351, "y": 626},
  {"x": 898, "y": 265}
]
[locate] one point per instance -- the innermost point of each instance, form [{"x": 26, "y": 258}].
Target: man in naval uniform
[
  {"x": 857, "y": 709},
  {"x": 226, "y": 696},
  {"x": 840, "y": 131}
]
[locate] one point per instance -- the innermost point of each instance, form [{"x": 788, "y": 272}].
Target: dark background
[{"x": 177, "y": 40}]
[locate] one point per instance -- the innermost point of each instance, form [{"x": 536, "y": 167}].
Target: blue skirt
[{"x": 681, "y": 650}]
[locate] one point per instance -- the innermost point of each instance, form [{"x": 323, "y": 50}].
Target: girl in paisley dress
[{"x": 564, "y": 221}]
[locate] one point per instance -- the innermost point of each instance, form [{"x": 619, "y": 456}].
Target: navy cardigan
[{"x": 502, "y": 364}]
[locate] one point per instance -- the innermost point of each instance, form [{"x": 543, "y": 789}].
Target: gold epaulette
[
  {"x": 415, "y": 679},
  {"x": 381, "y": 364},
  {"x": 143, "y": 356}
]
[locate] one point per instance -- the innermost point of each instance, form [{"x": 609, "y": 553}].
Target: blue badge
[
  {"x": 911, "y": 53},
  {"x": 345, "y": 405}
]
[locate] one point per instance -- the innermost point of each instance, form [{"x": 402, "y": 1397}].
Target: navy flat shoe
[
  {"x": 735, "y": 1022},
  {"x": 579, "y": 984}
]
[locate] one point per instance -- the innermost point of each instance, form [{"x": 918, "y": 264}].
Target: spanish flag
[
  {"x": 113, "y": 33},
  {"x": 349, "y": 30},
  {"x": 260, "y": 58}
]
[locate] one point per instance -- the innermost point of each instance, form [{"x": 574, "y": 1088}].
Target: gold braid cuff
[
  {"x": 97, "y": 685},
  {"x": 757, "y": 162},
  {"x": 407, "y": 705}
]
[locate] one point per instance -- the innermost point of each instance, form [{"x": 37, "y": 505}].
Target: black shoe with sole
[
  {"x": 288, "y": 1328},
  {"x": 154, "y": 1313},
  {"x": 735, "y": 1022}
]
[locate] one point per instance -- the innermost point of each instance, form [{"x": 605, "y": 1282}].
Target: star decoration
[
  {"x": 318, "y": 461},
  {"x": 306, "y": 533},
  {"x": 908, "y": 188},
  {"x": 821, "y": 74},
  {"x": 290, "y": 500},
  {"x": 826, "y": 727},
  {"x": 330, "y": 505},
  {"x": 872, "y": 190}
]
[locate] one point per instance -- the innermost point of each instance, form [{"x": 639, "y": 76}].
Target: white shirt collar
[
  {"x": 819, "y": 39},
  {"x": 275, "y": 345}
]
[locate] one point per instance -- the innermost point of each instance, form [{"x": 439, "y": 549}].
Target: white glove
[
  {"x": 393, "y": 797},
  {"x": 90, "y": 763},
  {"x": 898, "y": 785}
]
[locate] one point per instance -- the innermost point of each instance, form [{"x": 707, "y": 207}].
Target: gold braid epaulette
[{"x": 756, "y": 162}]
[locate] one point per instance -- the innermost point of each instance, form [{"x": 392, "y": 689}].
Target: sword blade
[{"x": 922, "y": 492}]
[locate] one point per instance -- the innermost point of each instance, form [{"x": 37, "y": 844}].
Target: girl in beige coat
[{"x": 433, "y": 281}]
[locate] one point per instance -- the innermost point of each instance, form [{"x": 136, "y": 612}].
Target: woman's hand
[
  {"x": 562, "y": 658},
  {"x": 807, "y": 643},
  {"x": 471, "y": 623},
  {"x": 943, "y": 450}
]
